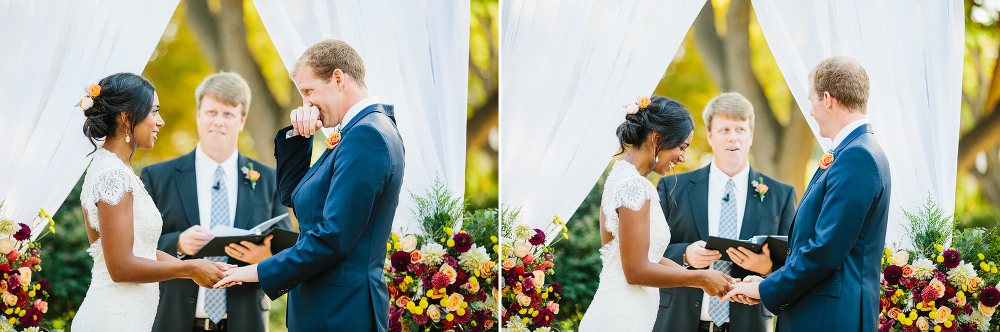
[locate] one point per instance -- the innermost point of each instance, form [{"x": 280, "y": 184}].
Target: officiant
[
  {"x": 214, "y": 185},
  {"x": 729, "y": 199}
]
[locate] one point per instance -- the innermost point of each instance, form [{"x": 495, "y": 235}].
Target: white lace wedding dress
[
  {"x": 111, "y": 306},
  {"x": 618, "y": 306}
]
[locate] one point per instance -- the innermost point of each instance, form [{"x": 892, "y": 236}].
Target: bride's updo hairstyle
[
  {"x": 119, "y": 93},
  {"x": 663, "y": 115}
]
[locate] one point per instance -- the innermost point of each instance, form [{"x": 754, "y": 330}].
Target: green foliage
[
  {"x": 482, "y": 227},
  {"x": 440, "y": 208},
  {"x": 927, "y": 228},
  {"x": 65, "y": 261},
  {"x": 578, "y": 262}
]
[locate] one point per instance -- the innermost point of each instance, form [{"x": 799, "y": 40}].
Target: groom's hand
[
  {"x": 193, "y": 239},
  {"x": 698, "y": 257},
  {"x": 744, "y": 292},
  {"x": 238, "y": 276},
  {"x": 748, "y": 260},
  {"x": 305, "y": 121},
  {"x": 248, "y": 252}
]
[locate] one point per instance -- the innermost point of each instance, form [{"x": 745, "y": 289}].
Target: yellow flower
[
  {"x": 494, "y": 239},
  {"x": 939, "y": 247},
  {"x": 395, "y": 237},
  {"x": 449, "y": 231},
  {"x": 940, "y": 259},
  {"x": 888, "y": 252},
  {"x": 981, "y": 256},
  {"x": 451, "y": 243},
  {"x": 450, "y": 317}
]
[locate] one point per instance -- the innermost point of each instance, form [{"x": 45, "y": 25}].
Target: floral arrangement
[
  {"x": 931, "y": 287},
  {"x": 530, "y": 303},
  {"x": 445, "y": 277},
  {"x": 23, "y": 302}
]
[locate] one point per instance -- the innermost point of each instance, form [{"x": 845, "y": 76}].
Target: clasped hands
[
  {"x": 743, "y": 291},
  {"x": 193, "y": 239}
]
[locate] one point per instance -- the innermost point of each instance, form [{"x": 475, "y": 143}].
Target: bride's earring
[{"x": 126, "y": 139}]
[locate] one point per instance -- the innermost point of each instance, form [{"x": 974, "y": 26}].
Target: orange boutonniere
[
  {"x": 251, "y": 175},
  {"x": 760, "y": 187},
  {"x": 332, "y": 140},
  {"x": 825, "y": 162}
]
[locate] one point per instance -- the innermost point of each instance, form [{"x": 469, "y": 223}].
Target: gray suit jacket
[
  {"x": 684, "y": 199},
  {"x": 171, "y": 184}
]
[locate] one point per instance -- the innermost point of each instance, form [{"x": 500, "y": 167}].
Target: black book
[
  {"x": 777, "y": 245},
  {"x": 283, "y": 239}
]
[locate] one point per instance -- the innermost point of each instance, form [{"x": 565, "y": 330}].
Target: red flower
[
  {"x": 400, "y": 260},
  {"x": 527, "y": 259},
  {"x": 463, "y": 242},
  {"x": 990, "y": 296},
  {"x": 44, "y": 284},
  {"x": 538, "y": 239},
  {"x": 23, "y": 234},
  {"x": 929, "y": 294},
  {"x": 518, "y": 270},
  {"x": 440, "y": 280},
  {"x": 892, "y": 274},
  {"x": 31, "y": 317},
  {"x": 951, "y": 258},
  {"x": 22, "y": 300},
  {"x": 12, "y": 256}
]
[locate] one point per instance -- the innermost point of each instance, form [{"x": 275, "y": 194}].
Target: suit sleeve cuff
[{"x": 768, "y": 297}]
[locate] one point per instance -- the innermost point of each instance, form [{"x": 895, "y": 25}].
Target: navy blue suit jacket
[
  {"x": 830, "y": 281},
  {"x": 345, "y": 204}
]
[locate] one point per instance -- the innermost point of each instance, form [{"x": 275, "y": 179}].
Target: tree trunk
[
  {"x": 989, "y": 186},
  {"x": 780, "y": 151}
]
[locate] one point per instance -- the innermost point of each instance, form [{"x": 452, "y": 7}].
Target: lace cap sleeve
[
  {"x": 110, "y": 186},
  {"x": 631, "y": 192}
]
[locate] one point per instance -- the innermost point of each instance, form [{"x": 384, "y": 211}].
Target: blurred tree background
[
  {"x": 208, "y": 36},
  {"x": 725, "y": 51}
]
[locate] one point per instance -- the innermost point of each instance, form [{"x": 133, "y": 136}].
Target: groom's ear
[{"x": 828, "y": 100}]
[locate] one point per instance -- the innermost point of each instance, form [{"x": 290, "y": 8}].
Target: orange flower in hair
[
  {"x": 825, "y": 162},
  {"x": 332, "y": 141},
  {"x": 94, "y": 90},
  {"x": 644, "y": 101}
]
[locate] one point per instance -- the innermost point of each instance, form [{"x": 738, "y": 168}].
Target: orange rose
[
  {"x": 393, "y": 291},
  {"x": 416, "y": 257},
  {"x": 522, "y": 299},
  {"x": 942, "y": 313},
  {"x": 41, "y": 305},
  {"x": 253, "y": 175},
  {"x": 901, "y": 258},
  {"x": 538, "y": 278},
  {"x": 402, "y": 301},
  {"x": 762, "y": 188},
  {"x": 455, "y": 301},
  {"x": 907, "y": 271},
  {"x": 332, "y": 141},
  {"x": 521, "y": 249},
  {"x": 937, "y": 285},
  {"x": 408, "y": 243},
  {"x": 11, "y": 299},
  {"x": 94, "y": 90},
  {"x": 923, "y": 324},
  {"x": 894, "y": 312},
  {"x": 508, "y": 264},
  {"x": 25, "y": 275},
  {"x": 553, "y": 307},
  {"x": 487, "y": 268},
  {"x": 489, "y": 324},
  {"x": 825, "y": 162},
  {"x": 973, "y": 284},
  {"x": 450, "y": 272},
  {"x": 644, "y": 101},
  {"x": 434, "y": 313},
  {"x": 987, "y": 311}
]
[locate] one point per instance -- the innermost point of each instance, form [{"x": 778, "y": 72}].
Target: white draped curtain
[
  {"x": 51, "y": 50},
  {"x": 567, "y": 68},
  {"x": 416, "y": 57},
  {"x": 913, "y": 56}
]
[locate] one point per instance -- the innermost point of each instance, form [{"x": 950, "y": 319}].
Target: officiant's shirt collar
[
  {"x": 847, "y": 131},
  {"x": 718, "y": 178},
  {"x": 357, "y": 108}
]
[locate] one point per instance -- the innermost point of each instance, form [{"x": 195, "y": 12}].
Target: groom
[
  {"x": 344, "y": 203},
  {"x": 831, "y": 278}
]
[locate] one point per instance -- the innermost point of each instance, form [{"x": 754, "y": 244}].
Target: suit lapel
[
  {"x": 343, "y": 134},
  {"x": 244, "y": 195},
  {"x": 187, "y": 183},
  {"x": 699, "y": 199},
  {"x": 864, "y": 129},
  {"x": 753, "y": 207}
]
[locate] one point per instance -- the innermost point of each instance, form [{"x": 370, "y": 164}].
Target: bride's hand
[
  {"x": 715, "y": 283},
  {"x": 223, "y": 266},
  {"x": 238, "y": 276},
  {"x": 205, "y": 273}
]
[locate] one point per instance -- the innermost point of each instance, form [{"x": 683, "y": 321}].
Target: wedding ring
[
  {"x": 241, "y": 256},
  {"x": 741, "y": 261}
]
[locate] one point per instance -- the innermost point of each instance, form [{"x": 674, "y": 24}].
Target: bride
[
  {"x": 634, "y": 231},
  {"x": 122, "y": 223}
]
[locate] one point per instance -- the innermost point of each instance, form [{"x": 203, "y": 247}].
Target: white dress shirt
[
  {"x": 842, "y": 135},
  {"x": 204, "y": 170},
  {"x": 716, "y": 190}
]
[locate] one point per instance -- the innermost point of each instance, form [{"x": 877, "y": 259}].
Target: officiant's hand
[
  {"x": 748, "y": 260},
  {"x": 248, "y": 252},
  {"x": 747, "y": 292},
  {"x": 193, "y": 239},
  {"x": 698, "y": 257},
  {"x": 238, "y": 276},
  {"x": 305, "y": 121},
  {"x": 206, "y": 273}
]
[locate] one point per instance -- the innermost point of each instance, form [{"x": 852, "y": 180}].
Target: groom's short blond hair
[
  {"x": 731, "y": 105},
  {"x": 845, "y": 80},
  {"x": 329, "y": 55}
]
